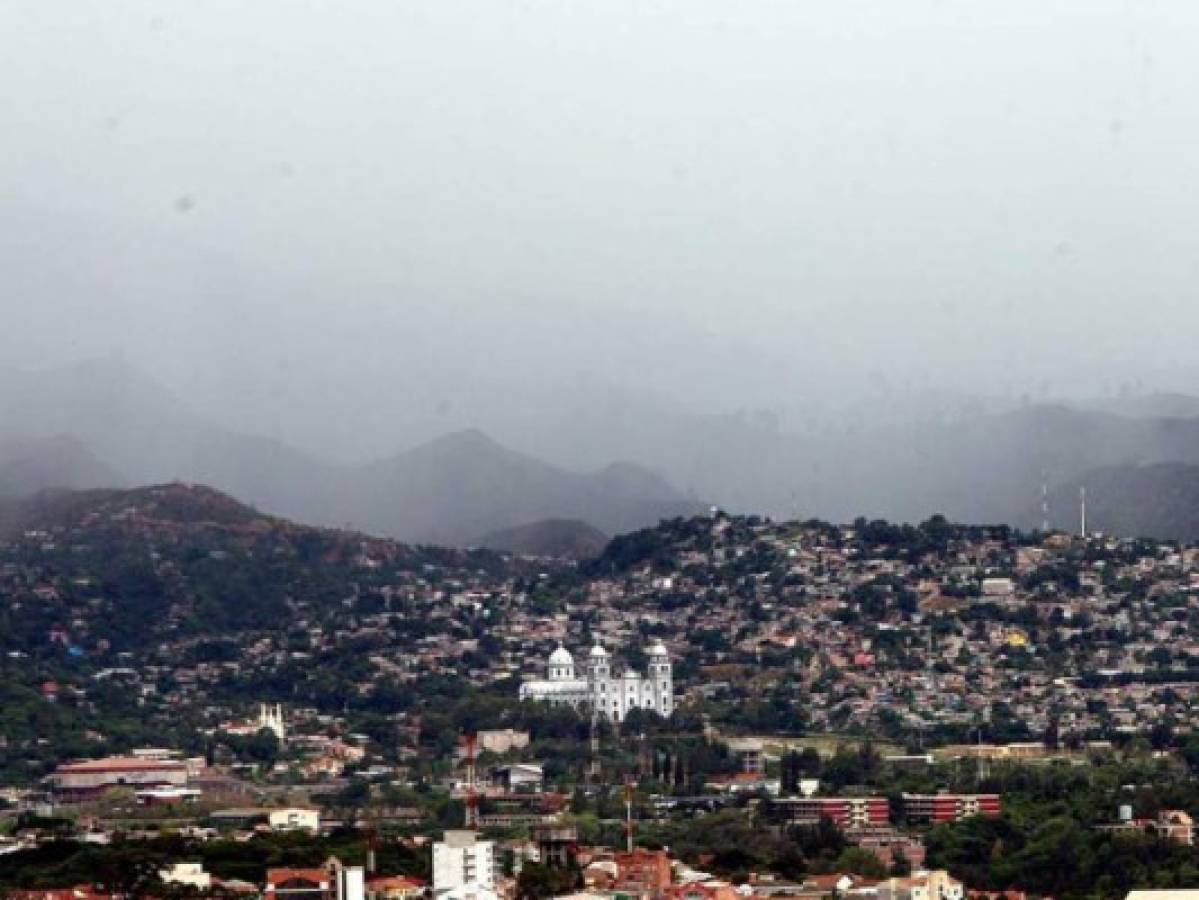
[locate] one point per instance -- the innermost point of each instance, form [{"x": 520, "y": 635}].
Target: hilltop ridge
[{"x": 123, "y": 428}]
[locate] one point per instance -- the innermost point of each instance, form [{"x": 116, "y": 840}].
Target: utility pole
[
  {"x": 628, "y": 816},
  {"x": 1044, "y": 501},
  {"x": 472, "y": 796},
  {"x": 593, "y": 769}
]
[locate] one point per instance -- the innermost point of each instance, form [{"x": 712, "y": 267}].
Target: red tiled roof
[
  {"x": 387, "y": 882},
  {"x": 276, "y": 877},
  {"x": 122, "y": 764}
]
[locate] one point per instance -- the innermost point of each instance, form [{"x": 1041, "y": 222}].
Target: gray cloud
[{"x": 355, "y": 226}]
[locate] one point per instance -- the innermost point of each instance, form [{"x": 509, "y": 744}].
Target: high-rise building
[{"x": 463, "y": 867}]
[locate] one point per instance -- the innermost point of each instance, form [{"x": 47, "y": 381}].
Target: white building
[
  {"x": 922, "y": 885},
  {"x": 351, "y": 883},
  {"x": 272, "y": 720},
  {"x": 186, "y": 873},
  {"x": 463, "y": 867},
  {"x": 269, "y": 718},
  {"x": 295, "y": 819},
  {"x": 502, "y": 740},
  {"x": 614, "y": 697}
]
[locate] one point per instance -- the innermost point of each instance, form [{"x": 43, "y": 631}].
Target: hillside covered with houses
[{"x": 919, "y": 694}]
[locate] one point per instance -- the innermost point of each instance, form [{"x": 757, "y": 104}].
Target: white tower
[
  {"x": 599, "y": 666},
  {"x": 661, "y": 679},
  {"x": 271, "y": 718},
  {"x": 599, "y": 674},
  {"x": 1044, "y": 501},
  {"x": 562, "y": 665}
]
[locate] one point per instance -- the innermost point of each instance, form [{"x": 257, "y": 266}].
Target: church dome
[
  {"x": 598, "y": 652},
  {"x": 561, "y": 657},
  {"x": 658, "y": 649}
]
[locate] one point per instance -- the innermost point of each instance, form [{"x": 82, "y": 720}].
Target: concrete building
[
  {"x": 557, "y": 845},
  {"x": 643, "y": 873},
  {"x": 924, "y": 885},
  {"x": 1171, "y": 825},
  {"x": 750, "y": 757},
  {"x": 187, "y": 874},
  {"x": 86, "y": 780},
  {"x": 711, "y": 889},
  {"x": 463, "y": 867},
  {"x": 394, "y": 887},
  {"x": 936, "y": 808},
  {"x": 502, "y": 740},
  {"x": 844, "y": 812},
  {"x": 300, "y": 884},
  {"x": 295, "y": 819},
  {"x": 1175, "y": 825},
  {"x": 333, "y": 881},
  {"x": 519, "y": 777}
]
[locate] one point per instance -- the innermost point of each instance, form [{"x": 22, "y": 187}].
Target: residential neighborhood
[{"x": 854, "y": 695}]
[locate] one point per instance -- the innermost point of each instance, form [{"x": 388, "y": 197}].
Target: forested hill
[
  {"x": 564, "y": 538},
  {"x": 109, "y": 570},
  {"x": 142, "y": 616},
  {"x": 1158, "y": 501}
]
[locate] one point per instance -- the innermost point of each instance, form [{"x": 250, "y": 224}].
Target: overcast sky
[{"x": 288, "y": 209}]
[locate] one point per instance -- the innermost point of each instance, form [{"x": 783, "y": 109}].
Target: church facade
[{"x": 596, "y": 688}]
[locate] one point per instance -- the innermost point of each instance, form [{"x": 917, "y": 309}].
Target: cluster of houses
[
  {"x": 331, "y": 881},
  {"x": 1085, "y": 638},
  {"x": 465, "y": 868}
]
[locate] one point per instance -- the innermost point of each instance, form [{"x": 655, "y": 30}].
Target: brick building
[{"x": 643, "y": 873}]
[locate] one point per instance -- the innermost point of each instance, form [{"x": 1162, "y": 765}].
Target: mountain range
[
  {"x": 106, "y": 423},
  {"x": 1154, "y": 501}
]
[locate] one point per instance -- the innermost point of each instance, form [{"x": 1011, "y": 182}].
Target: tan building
[
  {"x": 925, "y": 885},
  {"x": 78, "y": 781},
  {"x": 503, "y": 740},
  {"x": 1175, "y": 825}
]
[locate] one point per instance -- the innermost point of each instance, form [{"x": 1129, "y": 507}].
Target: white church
[{"x": 599, "y": 690}]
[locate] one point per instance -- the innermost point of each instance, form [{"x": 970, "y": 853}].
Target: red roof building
[
  {"x": 703, "y": 890},
  {"x": 299, "y": 884},
  {"x": 844, "y": 812},
  {"x": 88, "y": 779},
  {"x": 937, "y": 808},
  {"x": 80, "y": 892},
  {"x": 394, "y": 887},
  {"x": 644, "y": 873}
]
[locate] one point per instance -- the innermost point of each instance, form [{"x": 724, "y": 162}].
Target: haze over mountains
[{"x": 104, "y": 423}]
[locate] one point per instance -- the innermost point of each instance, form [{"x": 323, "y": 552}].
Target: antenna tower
[
  {"x": 472, "y": 795},
  {"x": 628, "y": 816},
  {"x": 1044, "y": 501},
  {"x": 644, "y": 767},
  {"x": 593, "y": 768}
]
